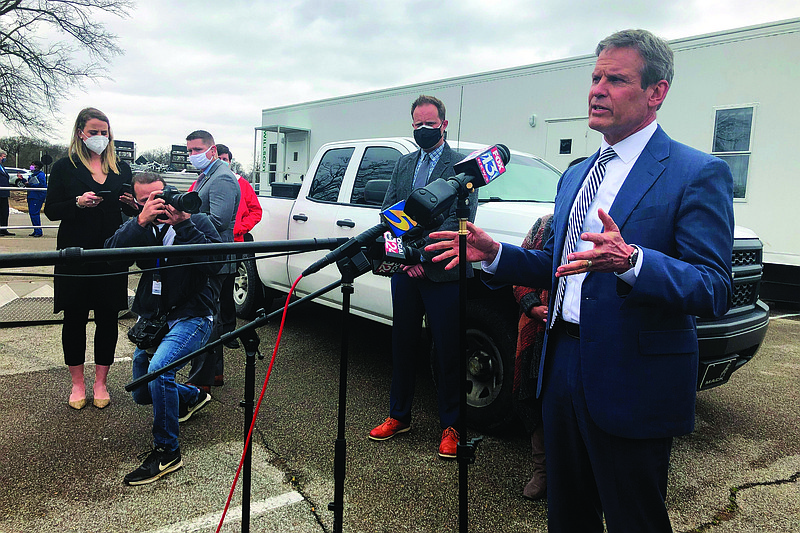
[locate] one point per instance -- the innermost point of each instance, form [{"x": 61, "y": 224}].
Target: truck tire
[
  {"x": 248, "y": 293},
  {"x": 491, "y": 345}
]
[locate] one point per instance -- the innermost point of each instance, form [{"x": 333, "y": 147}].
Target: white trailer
[{"x": 732, "y": 95}]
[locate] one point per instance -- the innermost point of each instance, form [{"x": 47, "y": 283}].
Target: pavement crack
[
  {"x": 730, "y": 510},
  {"x": 291, "y": 476}
]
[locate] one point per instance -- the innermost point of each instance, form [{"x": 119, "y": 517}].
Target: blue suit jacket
[{"x": 639, "y": 352}]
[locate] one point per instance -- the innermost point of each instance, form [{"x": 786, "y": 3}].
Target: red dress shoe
[
  {"x": 449, "y": 444},
  {"x": 389, "y": 429}
]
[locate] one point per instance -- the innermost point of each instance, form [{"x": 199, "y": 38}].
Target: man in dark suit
[
  {"x": 219, "y": 193},
  {"x": 425, "y": 287},
  {"x": 619, "y": 366},
  {"x": 4, "y": 196}
]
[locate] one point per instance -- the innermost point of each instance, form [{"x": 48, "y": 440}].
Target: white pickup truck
[{"x": 331, "y": 202}]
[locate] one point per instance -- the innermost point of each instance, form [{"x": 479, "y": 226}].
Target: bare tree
[
  {"x": 159, "y": 155},
  {"x": 37, "y": 72}
]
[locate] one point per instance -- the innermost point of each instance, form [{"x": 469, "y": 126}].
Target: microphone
[
  {"x": 348, "y": 249},
  {"x": 392, "y": 218},
  {"x": 397, "y": 221},
  {"x": 476, "y": 170},
  {"x": 393, "y": 256},
  {"x": 483, "y": 165}
]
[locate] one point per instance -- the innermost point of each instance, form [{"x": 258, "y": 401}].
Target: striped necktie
[
  {"x": 421, "y": 179},
  {"x": 576, "y": 218}
]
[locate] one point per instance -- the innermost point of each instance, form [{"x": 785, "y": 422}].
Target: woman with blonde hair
[{"x": 86, "y": 194}]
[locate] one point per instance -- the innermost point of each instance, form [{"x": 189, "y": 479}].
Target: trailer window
[
  {"x": 329, "y": 175},
  {"x": 377, "y": 163},
  {"x": 733, "y": 132}
]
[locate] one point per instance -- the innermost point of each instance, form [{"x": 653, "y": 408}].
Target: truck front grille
[
  {"x": 742, "y": 258},
  {"x": 744, "y": 295},
  {"x": 746, "y": 263}
]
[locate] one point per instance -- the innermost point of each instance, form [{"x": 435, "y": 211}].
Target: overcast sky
[{"x": 214, "y": 65}]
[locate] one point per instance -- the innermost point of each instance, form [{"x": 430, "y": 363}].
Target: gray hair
[{"x": 654, "y": 51}]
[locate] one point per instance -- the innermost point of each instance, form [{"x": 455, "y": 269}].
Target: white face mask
[
  {"x": 200, "y": 161},
  {"x": 96, "y": 143}
]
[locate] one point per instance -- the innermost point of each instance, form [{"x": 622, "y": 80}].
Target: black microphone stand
[
  {"x": 465, "y": 454},
  {"x": 350, "y": 268}
]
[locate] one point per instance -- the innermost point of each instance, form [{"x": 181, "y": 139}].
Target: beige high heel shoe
[
  {"x": 101, "y": 376},
  {"x": 77, "y": 404},
  {"x": 76, "y": 374}
]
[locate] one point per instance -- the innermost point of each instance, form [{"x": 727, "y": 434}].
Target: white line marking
[
  {"x": 790, "y": 315},
  {"x": 203, "y": 523}
]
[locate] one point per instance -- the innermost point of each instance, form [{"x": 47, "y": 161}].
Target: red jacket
[{"x": 249, "y": 212}]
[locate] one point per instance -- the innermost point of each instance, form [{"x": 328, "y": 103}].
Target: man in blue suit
[{"x": 619, "y": 366}]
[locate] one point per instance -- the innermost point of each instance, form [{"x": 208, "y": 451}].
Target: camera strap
[{"x": 160, "y": 233}]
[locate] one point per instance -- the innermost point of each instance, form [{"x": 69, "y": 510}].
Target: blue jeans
[
  {"x": 186, "y": 336},
  {"x": 34, "y": 208}
]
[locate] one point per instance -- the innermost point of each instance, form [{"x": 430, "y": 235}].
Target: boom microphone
[
  {"x": 476, "y": 170},
  {"x": 348, "y": 249}
]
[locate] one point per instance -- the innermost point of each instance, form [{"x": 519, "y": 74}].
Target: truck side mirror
[{"x": 375, "y": 191}]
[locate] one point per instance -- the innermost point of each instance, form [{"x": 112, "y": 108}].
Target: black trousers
[
  {"x": 3, "y": 214},
  {"x": 210, "y": 364},
  {"x": 73, "y": 336},
  {"x": 591, "y": 473}
]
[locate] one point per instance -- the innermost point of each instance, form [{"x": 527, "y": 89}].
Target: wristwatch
[
  {"x": 78, "y": 203},
  {"x": 633, "y": 257}
]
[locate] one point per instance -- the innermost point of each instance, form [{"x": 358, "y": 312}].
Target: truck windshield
[{"x": 526, "y": 179}]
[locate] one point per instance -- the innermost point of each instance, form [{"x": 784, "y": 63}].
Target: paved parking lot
[{"x": 62, "y": 470}]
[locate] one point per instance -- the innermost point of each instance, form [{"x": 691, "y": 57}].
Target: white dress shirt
[{"x": 617, "y": 169}]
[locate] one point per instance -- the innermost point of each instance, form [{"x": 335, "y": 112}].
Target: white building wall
[{"x": 758, "y": 65}]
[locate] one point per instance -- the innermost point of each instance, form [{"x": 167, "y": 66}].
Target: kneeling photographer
[{"x": 175, "y": 308}]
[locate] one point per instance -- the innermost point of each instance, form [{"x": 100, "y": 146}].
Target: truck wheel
[
  {"x": 491, "y": 345},
  {"x": 248, "y": 295}
]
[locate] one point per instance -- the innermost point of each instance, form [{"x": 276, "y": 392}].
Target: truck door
[{"x": 335, "y": 206}]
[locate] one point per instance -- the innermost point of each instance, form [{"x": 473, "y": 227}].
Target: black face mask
[{"x": 427, "y": 137}]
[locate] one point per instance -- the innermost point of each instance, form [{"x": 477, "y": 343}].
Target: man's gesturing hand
[
  {"x": 480, "y": 247},
  {"x": 610, "y": 252}
]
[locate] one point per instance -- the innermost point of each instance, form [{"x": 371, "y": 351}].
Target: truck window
[
  {"x": 526, "y": 179},
  {"x": 377, "y": 163},
  {"x": 329, "y": 175}
]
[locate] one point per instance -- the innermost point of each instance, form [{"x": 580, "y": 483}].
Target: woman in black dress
[{"x": 85, "y": 194}]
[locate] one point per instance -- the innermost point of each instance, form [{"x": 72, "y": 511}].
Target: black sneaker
[
  {"x": 233, "y": 343},
  {"x": 185, "y": 411},
  {"x": 159, "y": 463}
]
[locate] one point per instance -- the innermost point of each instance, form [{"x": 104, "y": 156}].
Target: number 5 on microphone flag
[{"x": 398, "y": 222}]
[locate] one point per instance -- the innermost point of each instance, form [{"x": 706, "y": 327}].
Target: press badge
[{"x": 157, "y": 284}]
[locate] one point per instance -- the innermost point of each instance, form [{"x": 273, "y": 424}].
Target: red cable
[{"x": 258, "y": 404}]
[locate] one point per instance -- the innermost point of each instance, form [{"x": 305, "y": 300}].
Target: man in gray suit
[
  {"x": 219, "y": 191},
  {"x": 425, "y": 287}
]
